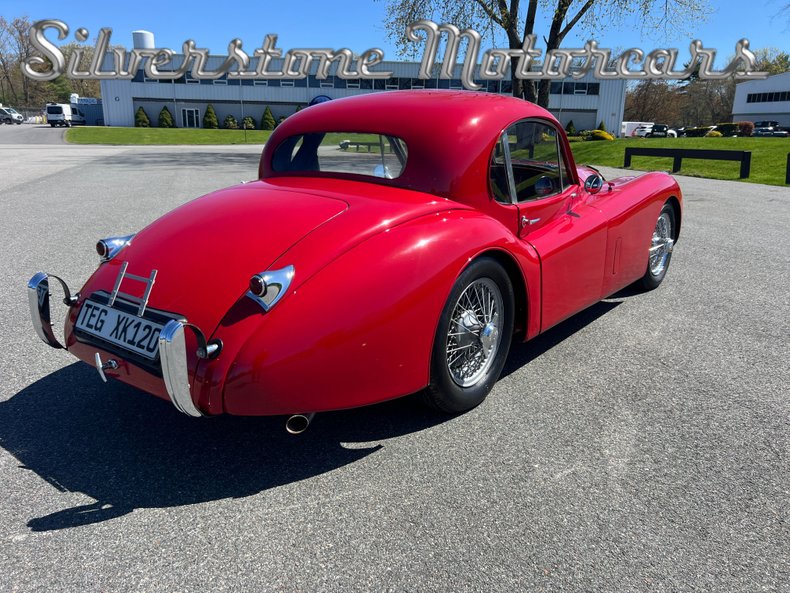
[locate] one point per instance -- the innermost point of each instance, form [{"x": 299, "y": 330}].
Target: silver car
[{"x": 9, "y": 115}]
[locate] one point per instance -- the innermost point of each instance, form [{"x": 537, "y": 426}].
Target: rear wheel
[
  {"x": 661, "y": 247},
  {"x": 472, "y": 339}
]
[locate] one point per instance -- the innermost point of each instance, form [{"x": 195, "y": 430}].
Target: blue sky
[{"x": 358, "y": 25}]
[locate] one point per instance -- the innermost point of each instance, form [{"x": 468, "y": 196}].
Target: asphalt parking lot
[{"x": 641, "y": 445}]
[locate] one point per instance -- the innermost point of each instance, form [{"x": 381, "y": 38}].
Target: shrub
[
  {"x": 600, "y": 135},
  {"x": 267, "y": 121},
  {"x": 210, "y": 120},
  {"x": 230, "y": 123},
  {"x": 697, "y": 132},
  {"x": 166, "y": 118},
  {"x": 727, "y": 129},
  {"x": 575, "y": 139},
  {"x": 248, "y": 123},
  {"x": 141, "y": 119},
  {"x": 714, "y": 134},
  {"x": 745, "y": 128},
  {"x": 602, "y": 127},
  {"x": 570, "y": 129}
]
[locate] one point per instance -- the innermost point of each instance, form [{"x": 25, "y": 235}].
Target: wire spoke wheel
[
  {"x": 475, "y": 332},
  {"x": 661, "y": 245}
]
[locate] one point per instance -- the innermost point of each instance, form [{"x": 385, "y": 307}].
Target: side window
[
  {"x": 497, "y": 174},
  {"x": 538, "y": 168}
]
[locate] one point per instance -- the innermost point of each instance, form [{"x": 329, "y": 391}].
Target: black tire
[
  {"x": 656, "y": 270},
  {"x": 445, "y": 392}
]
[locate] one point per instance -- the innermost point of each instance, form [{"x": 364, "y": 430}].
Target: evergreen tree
[
  {"x": 210, "y": 120},
  {"x": 230, "y": 123},
  {"x": 166, "y": 118},
  {"x": 141, "y": 119},
  {"x": 570, "y": 129},
  {"x": 248, "y": 123},
  {"x": 267, "y": 121},
  {"x": 602, "y": 126}
]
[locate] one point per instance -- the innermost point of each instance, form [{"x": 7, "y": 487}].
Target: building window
[
  {"x": 221, "y": 81},
  {"x": 404, "y": 84},
  {"x": 327, "y": 83},
  {"x": 286, "y": 83},
  {"x": 456, "y": 83},
  {"x": 768, "y": 97},
  {"x": 260, "y": 83},
  {"x": 191, "y": 80},
  {"x": 417, "y": 83},
  {"x": 190, "y": 118},
  {"x": 391, "y": 84},
  {"x": 353, "y": 84}
]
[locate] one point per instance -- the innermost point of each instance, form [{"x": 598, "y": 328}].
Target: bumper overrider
[{"x": 172, "y": 342}]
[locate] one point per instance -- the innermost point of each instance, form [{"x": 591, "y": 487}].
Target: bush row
[{"x": 210, "y": 120}]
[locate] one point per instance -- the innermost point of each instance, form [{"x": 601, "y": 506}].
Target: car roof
[{"x": 449, "y": 134}]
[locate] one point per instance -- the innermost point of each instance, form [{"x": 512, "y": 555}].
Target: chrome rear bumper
[
  {"x": 173, "y": 356},
  {"x": 172, "y": 342},
  {"x": 38, "y": 299}
]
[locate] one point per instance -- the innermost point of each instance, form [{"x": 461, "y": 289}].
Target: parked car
[
  {"x": 771, "y": 124},
  {"x": 344, "y": 278},
  {"x": 661, "y": 131},
  {"x": 643, "y": 131},
  {"x": 9, "y": 115},
  {"x": 772, "y": 132}
]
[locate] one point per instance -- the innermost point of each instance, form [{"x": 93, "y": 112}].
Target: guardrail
[{"x": 678, "y": 154}]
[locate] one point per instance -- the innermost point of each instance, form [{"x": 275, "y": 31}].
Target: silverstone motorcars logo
[{"x": 495, "y": 63}]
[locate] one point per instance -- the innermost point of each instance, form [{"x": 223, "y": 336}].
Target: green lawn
[
  {"x": 769, "y": 156},
  {"x": 102, "y": 135}
]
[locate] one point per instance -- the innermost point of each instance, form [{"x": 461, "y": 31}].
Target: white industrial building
[
  {"x": 587, "y": 101},
  {"x": 763, "y": 100}
]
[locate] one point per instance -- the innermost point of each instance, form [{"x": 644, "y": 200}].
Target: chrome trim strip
[
  {"x": 277, "y": 283},
  {"x": 511, "y": 182},
  {"x": 142, "y": 302},
  {"x": 173, "y": 356},
  {"x": 118, "y": 281},
  {"x": 38, "y": 298}
]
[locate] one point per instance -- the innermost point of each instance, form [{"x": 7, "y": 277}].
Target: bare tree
[{"x": 497, "y": 17}]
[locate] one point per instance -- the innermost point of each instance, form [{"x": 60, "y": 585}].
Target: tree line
[
  {"x": 29, "y": 95},
  {"x": 694, "y": 102}
]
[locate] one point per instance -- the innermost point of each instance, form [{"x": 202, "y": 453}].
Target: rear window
[
  {"x": 54, "y": 109},
  {"x": 373, "y": 155}
]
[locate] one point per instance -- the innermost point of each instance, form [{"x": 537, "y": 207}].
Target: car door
[{"x": 554, "y": 217}]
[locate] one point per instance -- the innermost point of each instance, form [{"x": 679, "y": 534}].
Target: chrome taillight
[
  {"x": 108, "y": 248},
  {"x": 267, "y": 288}
]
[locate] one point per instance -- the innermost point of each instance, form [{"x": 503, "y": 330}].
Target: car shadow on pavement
[
  {"x": 129, "y": 450},
  {"x": 522, "y": 353}
]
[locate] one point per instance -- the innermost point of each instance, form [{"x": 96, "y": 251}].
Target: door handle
[{"x": 525, "y": 222}]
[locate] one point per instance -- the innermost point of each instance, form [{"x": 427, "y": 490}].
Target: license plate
[{"x": 125, "y": 330}]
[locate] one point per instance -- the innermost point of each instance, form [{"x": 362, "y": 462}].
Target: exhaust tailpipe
[{"x": 298, "y": 423}]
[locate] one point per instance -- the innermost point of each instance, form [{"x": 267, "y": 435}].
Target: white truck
[{"x": 63, "y": 114}]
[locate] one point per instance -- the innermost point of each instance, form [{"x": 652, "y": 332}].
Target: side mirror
[
  {"x": 593, "y": 184},
  {"x": 544, "y": 186}
]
